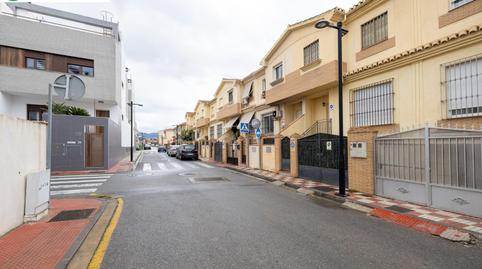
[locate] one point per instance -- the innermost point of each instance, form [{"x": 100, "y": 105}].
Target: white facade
[{"x": 29, "y": 28}]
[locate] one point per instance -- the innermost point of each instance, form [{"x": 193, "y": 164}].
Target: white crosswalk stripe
[
  {"x": 81, "y": 184},
  {"x": 176, "y": 165},
  {"x": 147, "y": 167},
  {"x": 190, "y": 165}
]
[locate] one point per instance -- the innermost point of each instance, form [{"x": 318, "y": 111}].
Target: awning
[
  {"x": 246, "y": 118},
  {"x": 231, "y": 122},
  {"x": 248, "y": 90}
]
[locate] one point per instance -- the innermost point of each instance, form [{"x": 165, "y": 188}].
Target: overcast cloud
[{"x": 178, "y": 50}]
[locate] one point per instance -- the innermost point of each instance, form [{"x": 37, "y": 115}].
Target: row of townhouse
[
  {"x": 412, "y": 74},
  {"x": 39, "y": 44}
]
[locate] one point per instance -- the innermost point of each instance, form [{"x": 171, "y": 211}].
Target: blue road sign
[
  {"x": 258, "y": 133},
  {"x": 244, "y": 128}
]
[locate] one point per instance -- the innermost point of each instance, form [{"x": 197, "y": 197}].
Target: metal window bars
[
  {"x": 311, "y": 52},
  {"x": 375, "y": 30},
  {"x": 372, "y": 104},
  {"x": 461, "y": 87}
]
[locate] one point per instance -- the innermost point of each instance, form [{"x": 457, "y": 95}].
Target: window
[
  {"x": 458, "y": 3},
  {"x": 310, "y": 52},
  {"x": 211, "y": 132},
  {"x": 33, "y": 63},
  {"x": 463, "y": 83},
  {"x": 34, "y": 112},
  {"x": 80, "y": 70},
  {"x": 230, "y": 97},
  {"x": 372, "y": 104},
  {"x": 268, "y": 123},
  {"x": 102, "y": 113},
  {"x": 375, "y": 30},
  {"x": 219, "y": 130},
  {"x": 263, "y": 88},
  {"x": 278, "y": 71}
]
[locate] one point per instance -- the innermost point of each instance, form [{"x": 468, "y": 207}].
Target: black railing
[{"x": 319, "y": 127}]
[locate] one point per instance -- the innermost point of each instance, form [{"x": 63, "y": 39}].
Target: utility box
[
  {"x": 358, "y": 149},
  {"x": 37, "y": 195}
]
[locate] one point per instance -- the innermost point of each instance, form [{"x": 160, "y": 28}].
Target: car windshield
[{"x": 190, "y": 147}]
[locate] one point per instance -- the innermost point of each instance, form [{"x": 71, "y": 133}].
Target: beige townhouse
[{"x": 201, "y": 123}]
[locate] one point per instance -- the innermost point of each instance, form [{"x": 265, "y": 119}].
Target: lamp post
[
  {"x": 341, "y": 158},
  {"x": 132, "y": 104}
]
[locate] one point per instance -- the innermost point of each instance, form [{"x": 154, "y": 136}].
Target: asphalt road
[{"x": 170, "y": 221}]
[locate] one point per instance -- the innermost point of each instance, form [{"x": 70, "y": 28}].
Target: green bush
[{"x": 64, "y": 109}]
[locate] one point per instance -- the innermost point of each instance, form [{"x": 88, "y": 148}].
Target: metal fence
[
  {"x": 453, "y": 157},
  {"x": 438, "y": 167}
]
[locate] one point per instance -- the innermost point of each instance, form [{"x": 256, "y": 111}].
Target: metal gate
[
  {"x": 318, "y": 158},
  {"x": 218, "y": 151},
  {"x": 232, "y": 156},
  {"x": 285, "y": 154},
  {"x": 437, "y": 167}
]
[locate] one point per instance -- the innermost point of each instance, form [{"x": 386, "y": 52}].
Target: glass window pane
[
  {"x": 29, "y": 63},
  {"x": 87, "y": 71},
  {"x": 40, "y": 64},
  {"x": 73, "y": 69}
]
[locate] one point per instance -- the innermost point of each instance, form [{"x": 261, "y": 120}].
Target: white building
[{"x": 38, "y": 44}]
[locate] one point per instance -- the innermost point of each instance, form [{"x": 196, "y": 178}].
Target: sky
[{"x": 179, "y": 50}]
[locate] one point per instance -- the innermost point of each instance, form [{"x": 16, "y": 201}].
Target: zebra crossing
[
  {"x": 172, "y": 166},
  {"x": 78, "y": 184}
]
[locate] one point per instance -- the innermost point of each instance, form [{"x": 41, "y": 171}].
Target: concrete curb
[
  {"x": 88, "y": 245},
  {"x": 136, "y": 162}
]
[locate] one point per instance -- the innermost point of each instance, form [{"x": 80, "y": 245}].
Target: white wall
[
  {"x": 23, "y": 145},
  {"x": 254, "y": 156}
]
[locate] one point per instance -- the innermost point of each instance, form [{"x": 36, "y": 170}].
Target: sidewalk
[
  {"x": 121, "y": 167},
  {"x": 418, "y": 217},
  {"x": 51, "y": 241}
]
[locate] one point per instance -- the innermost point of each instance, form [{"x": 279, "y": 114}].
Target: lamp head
[{"x": 322, "y": 24}]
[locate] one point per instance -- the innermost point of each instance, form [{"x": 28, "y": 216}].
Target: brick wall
[{"x": 361, "y": 171}]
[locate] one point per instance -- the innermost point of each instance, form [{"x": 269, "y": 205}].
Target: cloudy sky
[{"x": 178, "y": 50}]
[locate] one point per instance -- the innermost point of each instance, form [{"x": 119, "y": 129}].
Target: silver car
[{"x": 172, "y": 150}]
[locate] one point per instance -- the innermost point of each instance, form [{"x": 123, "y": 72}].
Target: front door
[{"x": 94, "y": 146}]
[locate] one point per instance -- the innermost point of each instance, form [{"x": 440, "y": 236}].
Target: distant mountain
[{"x": 148, "y": 135}]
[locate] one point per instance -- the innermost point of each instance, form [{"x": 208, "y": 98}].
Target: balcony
[
  {"x": 298, "y": 83},
  {"x": 229, "y": 111},
  {"x": 202, "y": 122}
]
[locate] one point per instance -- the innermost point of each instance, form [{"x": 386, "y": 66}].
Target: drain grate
[
  {"x": 324, "y": 189},
  {"x": 398, "y": 209},
  {"x": 207, "y": 179},
  {"x": 72, "y": 215}
]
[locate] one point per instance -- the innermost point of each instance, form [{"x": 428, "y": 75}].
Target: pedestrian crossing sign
[{"x": 244, "y": 127}]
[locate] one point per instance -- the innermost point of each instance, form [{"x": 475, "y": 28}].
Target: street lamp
[
  {"x": 341, "y": 158},
  {"x": 132, "y": 104}
]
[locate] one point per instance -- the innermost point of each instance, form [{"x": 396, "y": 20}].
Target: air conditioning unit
[
  {"x": 263, "y": 94},
  {"x": 277, "y": 114}
]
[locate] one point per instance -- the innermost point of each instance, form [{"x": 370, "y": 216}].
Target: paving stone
[
  {"x": 305, "y": 191},
  {"x": 455, "y": 235},
  {"x": 278, "y": 183}
]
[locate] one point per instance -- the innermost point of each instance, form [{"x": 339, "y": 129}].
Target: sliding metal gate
[
  {"x": 318, "y": 158},
  {"x": 438, "y": 167},
  {"x": 285, "y": 154}
]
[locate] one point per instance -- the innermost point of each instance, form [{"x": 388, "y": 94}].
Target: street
[{"x": 228, "y": 220}]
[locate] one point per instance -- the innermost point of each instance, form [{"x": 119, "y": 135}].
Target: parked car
[
  {"x": 161, "y": 149},
  {"x": 172, "y": 150},
  {"x": 187, "y": 152},
  {"x": 147, "y": 146}
]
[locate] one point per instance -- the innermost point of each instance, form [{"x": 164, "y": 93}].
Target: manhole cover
[
  {"x": 187, "y": 174},
  {"x": 324, "y": 189},
  {"x": 207, "y": 179},
  {"x": 72, "y": 214},
  {"x": 398, "y": 209}
]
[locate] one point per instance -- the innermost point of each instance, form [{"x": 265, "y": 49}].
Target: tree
[{"x": 187, "y": 135}]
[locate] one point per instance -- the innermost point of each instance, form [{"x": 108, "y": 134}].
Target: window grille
[
  {"x": 278, "y": 71},
  {"x": 211, "y": 132},
  {"x": 372, "y": 104},
  {"x": 375, "y": 30},
  {"x": 310, "y": 53},
  {"x": 462, "y": 87},
  {"x": 219, "y": 130}
]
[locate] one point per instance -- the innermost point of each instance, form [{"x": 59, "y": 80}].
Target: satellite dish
[
  {"x": 70, "y": 87},
  {"x": 255, "y": 123}
]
